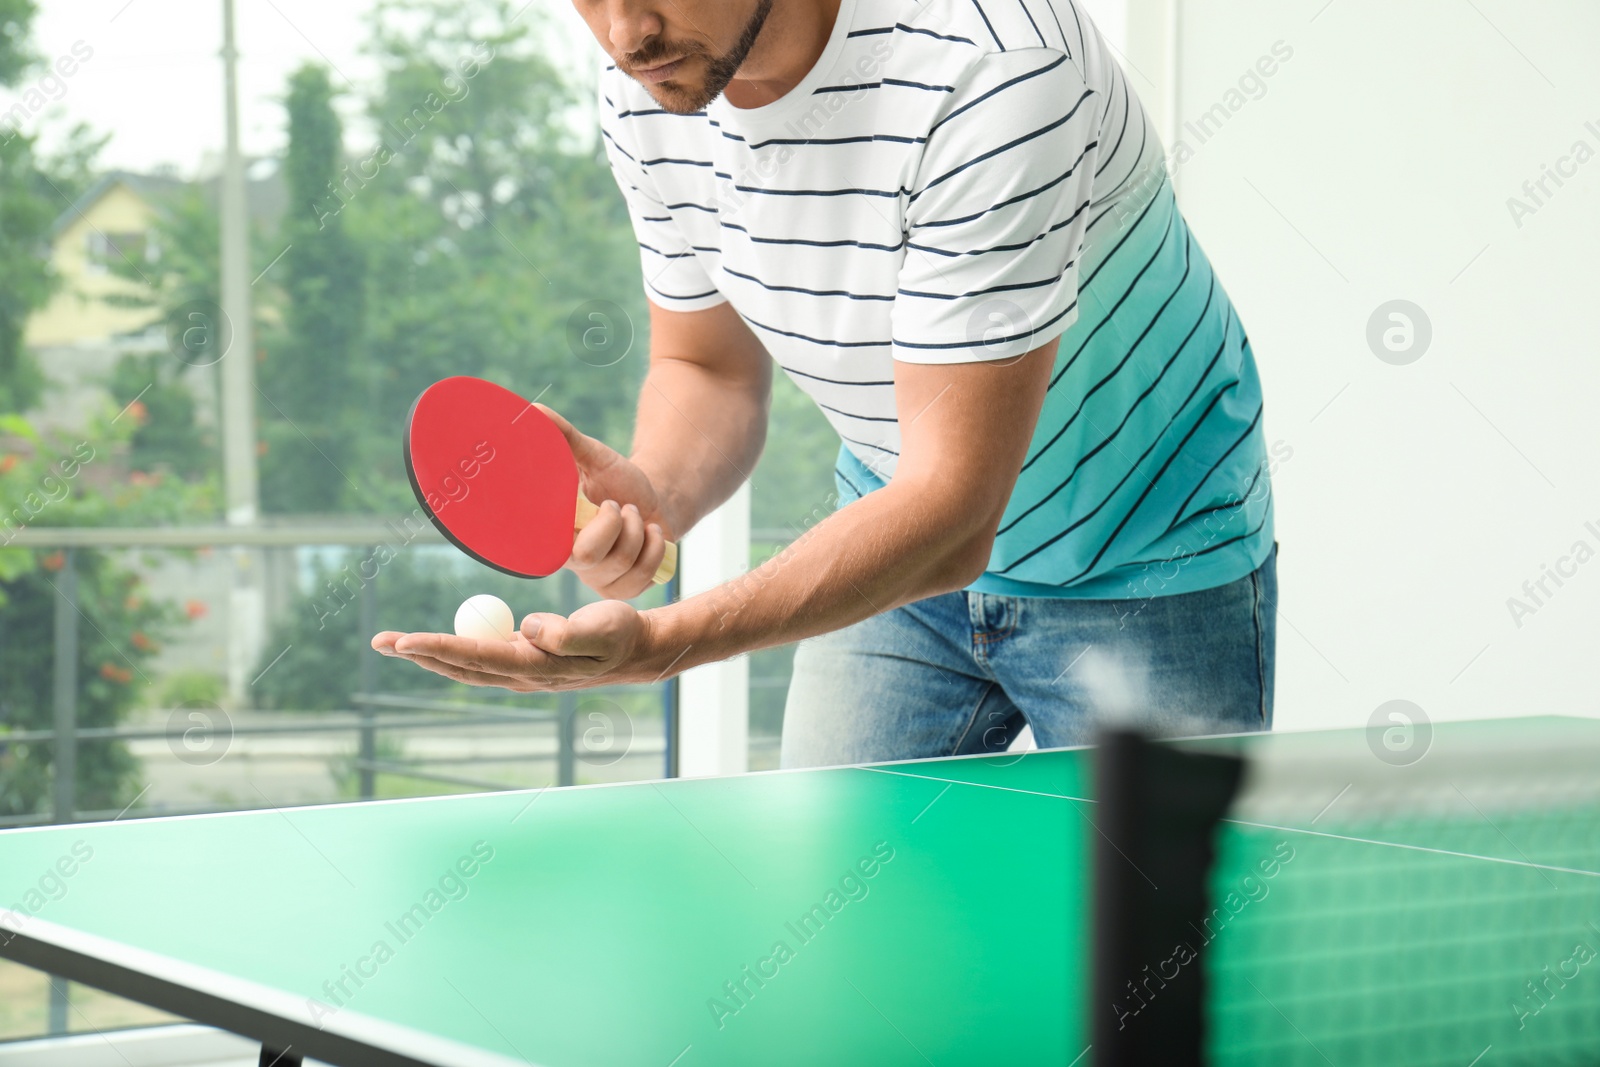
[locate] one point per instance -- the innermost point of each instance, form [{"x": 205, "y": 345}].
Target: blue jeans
[{"x": 962, "y": 672}]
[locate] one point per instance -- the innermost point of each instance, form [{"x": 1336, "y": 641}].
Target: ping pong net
[{"x": 1320, "y": 899}]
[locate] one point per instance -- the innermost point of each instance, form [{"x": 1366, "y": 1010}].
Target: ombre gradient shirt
[{"x": 959, "y": 181}]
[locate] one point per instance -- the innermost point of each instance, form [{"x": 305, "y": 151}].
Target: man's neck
[{"x": 795, "y": 36}]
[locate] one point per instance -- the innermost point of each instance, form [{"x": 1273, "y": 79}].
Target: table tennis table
[{"x": 1361, "y": 906}]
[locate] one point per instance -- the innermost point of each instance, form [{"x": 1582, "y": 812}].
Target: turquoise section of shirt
[{"x": 1148, "y": 474}]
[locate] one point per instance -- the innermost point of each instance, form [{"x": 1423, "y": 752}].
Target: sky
[{"x": 154, "y": 76}]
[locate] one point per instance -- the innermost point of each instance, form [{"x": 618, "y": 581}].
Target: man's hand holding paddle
[{"x": 619, "y": 550}]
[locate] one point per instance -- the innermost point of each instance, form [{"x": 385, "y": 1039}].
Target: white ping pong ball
[{"x": 485, "y": 617}]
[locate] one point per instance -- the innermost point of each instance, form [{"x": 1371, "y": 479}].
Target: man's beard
[{"x": 720, "y": 70}]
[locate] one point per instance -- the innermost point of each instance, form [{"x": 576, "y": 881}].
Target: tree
[
  {"x": 25, "y": 279},
  {"x": 310, "y": 380},
  {"x": 33, "y": 191},
  {"x": 43, "y": 481},
  {"x": 25, "y": 218},
  {"x": 16, "y": 54}
]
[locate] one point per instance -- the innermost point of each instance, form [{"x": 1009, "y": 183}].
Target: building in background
[{"x": 86, "y": 327}]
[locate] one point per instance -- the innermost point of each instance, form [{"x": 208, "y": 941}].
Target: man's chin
[
  {"x": 685, "y": 92},
  {"x": 680, "y": 98}
]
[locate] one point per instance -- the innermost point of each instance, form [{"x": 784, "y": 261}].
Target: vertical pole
[
  {"x": 66, "y": 734},
  {"x": 60, "y": 1002},
  {"x": 714, "y": 709},
  {"x": 66, "y": 689},
  {"x": 246, "y": 605},
  {"x": 367, "y": 679},
  {"x": 238, "y": 363},
  {"x": 669, "y": 703},
  {"x": 567, "y": 701},
  {"x": 1174, "y": 76},
  {"x": 1152, "y": 41}
]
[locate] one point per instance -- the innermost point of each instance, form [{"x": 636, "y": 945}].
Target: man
[{"x": 950, "y": 223}]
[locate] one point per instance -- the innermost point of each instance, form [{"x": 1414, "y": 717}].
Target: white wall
[{"x": 1377, "y": 166}]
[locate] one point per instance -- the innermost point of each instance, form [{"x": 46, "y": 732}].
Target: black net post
[{"x": 1157, "y": 813}]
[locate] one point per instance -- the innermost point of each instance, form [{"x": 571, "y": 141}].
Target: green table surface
[
  {"x": 602, "y": 925},
  {"x": 606, "y": 921}
]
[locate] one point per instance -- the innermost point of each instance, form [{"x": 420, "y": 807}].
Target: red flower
[
  {"x": 195, "y": 609},
  {"x": 7, "y": 462},
  {"x": 138, "y": 411},
  {"x": 142, "y": 641},
  {"x": 113, "y": 673},
  {"x": 54, "y": 561}
]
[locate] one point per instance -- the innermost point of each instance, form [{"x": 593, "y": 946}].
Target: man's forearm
[
  {"x": 698, "y": 437},
  {"x": 889, "y": 548}
]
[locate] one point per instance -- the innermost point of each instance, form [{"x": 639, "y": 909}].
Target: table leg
[{"x": 271, "y": 1058}]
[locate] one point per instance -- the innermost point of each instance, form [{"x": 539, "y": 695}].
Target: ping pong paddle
[{"x": 498, "y": 478}]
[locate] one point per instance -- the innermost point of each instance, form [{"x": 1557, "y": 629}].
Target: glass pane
[
  {"x": 424, "y": 196},
  {"x": 792, "y": 489}
]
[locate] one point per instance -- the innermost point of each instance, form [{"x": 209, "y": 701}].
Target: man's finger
[
  {"x": 461, "y": 674},
  {"x": 596, "y": 540},
  {"x": 384, "y": 642},
  {"x": 637, "y": 578},
  {"x": 623, "y": 554},
  {"x": 585, "y": 449},
  {"x": 589, "y": 632},
  {"x": 509, "y": 658}
]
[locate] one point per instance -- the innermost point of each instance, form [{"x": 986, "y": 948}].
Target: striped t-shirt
[{"x": 962, "y": 180}]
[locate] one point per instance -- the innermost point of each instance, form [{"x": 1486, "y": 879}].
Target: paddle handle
[{"x": 669, "y": 561}]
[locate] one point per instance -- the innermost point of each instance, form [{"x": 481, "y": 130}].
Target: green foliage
[
  {"x": 166, "y": 437},
  {"x": 16, "y": 54},
  {"x": 33, "y": 191},
  {"x": 315, "y": 412},
  {"x": 26, "y": 212},
  {"x": 65, "y": 483},
  {"x": 119, "y": 633},
  {"x": 182, "y": 689},
  {"x": 187, "y": 232}
]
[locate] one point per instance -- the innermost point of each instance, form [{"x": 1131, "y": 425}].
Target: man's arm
[
  {"x": 965, "y": 430},
  {"x": 701, "y": 425},
  {"x": 702, "y": 417}
]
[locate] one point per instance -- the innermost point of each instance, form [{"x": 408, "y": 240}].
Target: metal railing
[{"x": 65, "y": 734}]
